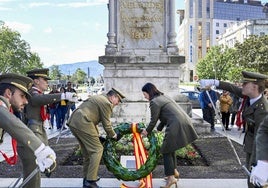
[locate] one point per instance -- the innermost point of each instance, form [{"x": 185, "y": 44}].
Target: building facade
[
  {"x": 204, "y": 21},
  {"x": 240, "y": 31}
]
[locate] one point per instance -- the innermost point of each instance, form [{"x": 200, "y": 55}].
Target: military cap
[
  {"x": 119, "y": 94},
  {"x": 253, "y": 76},
  {"x": 21, "y": 82},
  {"x": 35, "y": 73}
]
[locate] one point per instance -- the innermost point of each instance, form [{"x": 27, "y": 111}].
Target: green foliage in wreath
[{"x": 114, "y": 166}]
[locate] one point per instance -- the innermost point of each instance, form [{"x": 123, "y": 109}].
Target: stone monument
[{"x": 141, "y": 48}]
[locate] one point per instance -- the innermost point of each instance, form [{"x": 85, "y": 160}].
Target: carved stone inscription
[{"x": 141, "y": 23}]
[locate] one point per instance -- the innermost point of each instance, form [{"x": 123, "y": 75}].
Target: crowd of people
[
  {"x": 59, "y": 111},
  {"x": 23, "y": 108}
]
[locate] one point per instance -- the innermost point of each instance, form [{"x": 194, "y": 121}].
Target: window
[
  {"x": 217, "y": 32},
  {"x": 225, "y": 25},
  {"x": 217, "y": 24}
]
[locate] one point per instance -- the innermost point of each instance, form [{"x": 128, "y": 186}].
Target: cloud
[
  {"x": 39, "y": 4},
  {"x": 5, "y": 9},
  {"x": 48, "y": 30},
  {"x": 20, "y": 27}
]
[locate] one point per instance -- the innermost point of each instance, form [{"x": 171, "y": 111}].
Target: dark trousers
[
  {"x": 62, "y": 113},
  {"x": 170, "y": 163},
  {"x": 225, "y": 118},
  {"x": 209, "y": 115},
  {"x": 233, "y": 117},
  {"x": 54, "y": 114}
]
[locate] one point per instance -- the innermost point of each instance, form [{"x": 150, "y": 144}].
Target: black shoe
[
  {"x": 227, "y": 129},
  {"x": 98, "y": 178},
  {"x": 90, "y": 184}
]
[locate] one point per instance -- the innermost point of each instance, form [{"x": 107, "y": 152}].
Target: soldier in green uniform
[
  {"x": 35, "y": 115},
  {"x": 13, "y": 98},
  {"x": 254, "y": 112},
  {"x": 259, "y": 173},
  {"x": 83, "y": 124}
]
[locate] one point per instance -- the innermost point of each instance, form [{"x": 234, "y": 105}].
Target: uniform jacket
[
  {"x": 179, "y": 130},
  {"x": 96, "y": 109},
  {"x": 37, "y": 100},
  {"x": 33, "y": 110},
  {"x": 16, "y": 128},
  {"x": 225, "y": 103},
  {"x": 253, "y": 115},
  {"x": 262, "y": 140}
]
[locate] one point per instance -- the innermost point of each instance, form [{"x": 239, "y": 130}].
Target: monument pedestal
[
  {"x": 130, "y": 73},
  {"x": 141, "y": 48}
]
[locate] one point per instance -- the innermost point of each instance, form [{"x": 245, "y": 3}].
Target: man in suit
[
  {"x": 35, "y": 115},
  {"x": 254, "y": 111},
  {"x": 13, "y": 98}
]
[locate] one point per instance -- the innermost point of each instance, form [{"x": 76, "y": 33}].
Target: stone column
[
  {"x": 172, "y": 34},
  {"x": 111, "y": 47}
]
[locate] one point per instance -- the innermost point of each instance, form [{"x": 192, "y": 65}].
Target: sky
[{"x": 61, "y": 31}]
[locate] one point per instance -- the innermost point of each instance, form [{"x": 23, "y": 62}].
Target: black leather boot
[{"x": 90, "y": 184}]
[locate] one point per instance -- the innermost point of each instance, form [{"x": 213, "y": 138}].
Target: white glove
[
  {"x": 45, "y": 157},
  {"x": 259, "y": 174},
  {"x": 70, "y": 96},
  {"x": 208, "y": 82}
]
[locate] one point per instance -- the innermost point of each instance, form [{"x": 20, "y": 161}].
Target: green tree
[
  {"x": 79, "y": 76},
  {"x": 55, "y": 73},
  {"x": 15, "y": 54},
  {"x": 253, "y": 53},
  {"x": 216, "y": 63},
  {"x": 227, "y": 63}
]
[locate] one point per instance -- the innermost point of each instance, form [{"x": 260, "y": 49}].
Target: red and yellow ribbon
[{"x": 140, "y": 157}]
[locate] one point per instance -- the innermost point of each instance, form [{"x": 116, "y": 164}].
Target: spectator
[
  {"x": 234, "y": 108},
  {"x": 225, "y": 104},
  {"x": 71, "y": 89},
  {"x": 209, "y": 111},
  {"x": 62, "y": 110},
  {"x": 53, "y": 109}
]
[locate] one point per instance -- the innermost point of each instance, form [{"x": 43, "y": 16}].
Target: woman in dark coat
[{"x": 179, "y": 130}]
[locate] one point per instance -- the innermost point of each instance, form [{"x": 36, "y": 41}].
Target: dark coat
[
  {"x": 179, "y": 130},
  {"x": 253, "y": 116}
]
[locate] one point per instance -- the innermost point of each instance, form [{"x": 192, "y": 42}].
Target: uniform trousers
[{"x": 92, "y": 150}]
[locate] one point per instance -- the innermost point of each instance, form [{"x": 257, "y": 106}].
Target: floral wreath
[{"x": 114, "y": 166}]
